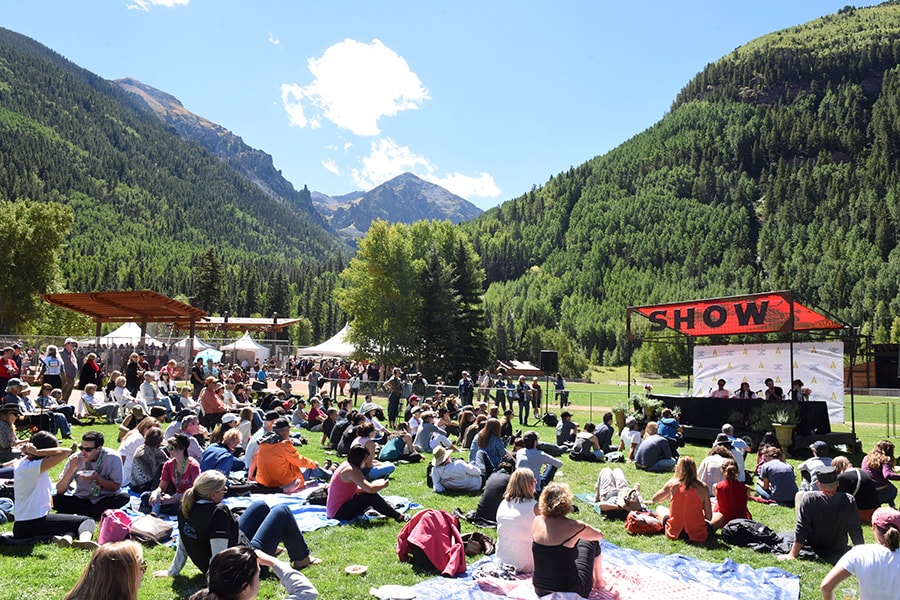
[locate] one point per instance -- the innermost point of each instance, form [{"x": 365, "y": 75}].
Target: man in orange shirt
[
  {"x": 213, "y": 404},
  {"x": 277, "y": 463}
]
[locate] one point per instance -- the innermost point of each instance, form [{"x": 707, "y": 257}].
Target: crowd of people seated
[{"x": 217, "y": 428}]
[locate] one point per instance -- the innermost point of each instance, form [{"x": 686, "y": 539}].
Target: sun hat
[
  {"x": 368, "y": 406},
  {"x": 722, "y": 440},
  {"x": 229, "y": 418},
  {"x": 441, "y": 454}
]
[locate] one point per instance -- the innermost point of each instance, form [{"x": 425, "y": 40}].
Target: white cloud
[
  {"x": 462, "y": 185},
  {"x": 354, "y": 85},
  {"x": 388, "y": 159},
  {"x": 145, "y": 5},
  {"x": 331, "y": 166},
  {"x": 273, "y": 40}
]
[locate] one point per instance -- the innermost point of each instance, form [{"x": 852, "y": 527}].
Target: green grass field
[{"x": 45, "y": 571}]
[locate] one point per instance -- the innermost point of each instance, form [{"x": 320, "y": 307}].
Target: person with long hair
[
  {"x": 858, "y": 484},
  {"x": 515, "y": 517},
  {"x": 177, "y": 477},
  {"x": 115, "y": 572},
  {"x": 690, "y": 510},
  {"x": 234, "y": 575},
  {"x": 566, "y": 551},
  {"x": 33, "y": 492},
  {"x": 876, "y": 566},
  {"x": 879, "y": 465},
  {"x": 206, "y": 527},
  {"x": 488, "y": 449},
  {"x": 731, "y": 496},
  {"x": 350, "y": 494},
  {"x": 148, "y": 462},
  {"x": 91, "y": 372},
  {"x": 776, "y": 478}
]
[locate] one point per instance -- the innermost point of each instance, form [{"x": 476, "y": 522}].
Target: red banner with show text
[{"x": 755, "y": 313}]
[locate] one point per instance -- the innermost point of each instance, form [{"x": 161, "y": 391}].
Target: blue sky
[{"x": 484, "y": 98}]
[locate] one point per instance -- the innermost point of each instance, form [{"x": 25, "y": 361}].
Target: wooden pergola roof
[
  {"x": 142, "y": 306},
  {"x": 244, "y": 323}
]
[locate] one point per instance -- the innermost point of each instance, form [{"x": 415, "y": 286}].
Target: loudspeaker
[{"x": 549, "y": 361}]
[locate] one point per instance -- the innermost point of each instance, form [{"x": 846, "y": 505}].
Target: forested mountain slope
[
  {"x": 147, "y": 203},
  {"x": 777, "y": 167}
]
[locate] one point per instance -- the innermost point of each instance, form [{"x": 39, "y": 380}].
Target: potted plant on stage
[
  {"x": 651, "y": 407},
  {"x": 784, "y": 421},
  {"x": 623, "y": 408}
]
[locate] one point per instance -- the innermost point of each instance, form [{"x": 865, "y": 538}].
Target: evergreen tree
[{"x": 208, "y": 280}]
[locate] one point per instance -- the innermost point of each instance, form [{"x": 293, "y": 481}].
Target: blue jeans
[
  {"x": 319, "y": 473},
  {"x": 166, "y": 403},
  {"x": 524, "y": 405},
  {"x": 663, "y": 465},
  {"x": 547, "y": 477},
  {"x": 267, "y": 527},
  {"x": 887, "y": 495},
  {"x": 379, "y": 472}
]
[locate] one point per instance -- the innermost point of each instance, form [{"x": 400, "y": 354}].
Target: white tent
[
  {"x": 334, "y": 346},
  {"x": 128, "y": 334},
  {"x": 246, "y": 347},
  {"x": 198, "y": 344}
]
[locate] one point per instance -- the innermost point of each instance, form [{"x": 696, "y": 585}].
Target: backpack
[
  {"x": 431, "y": 541},
  {"x": 748, "y": 533},
  {"x": 643, "y": 523}
]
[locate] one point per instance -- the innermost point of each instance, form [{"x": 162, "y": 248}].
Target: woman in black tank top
[{"x": 566, "y": 551}]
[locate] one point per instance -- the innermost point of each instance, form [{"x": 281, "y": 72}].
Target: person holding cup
[
  {"x": 33, "y": 490},
  {"x": 97, "y": 474}
]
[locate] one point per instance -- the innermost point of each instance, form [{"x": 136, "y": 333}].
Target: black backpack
[{"x": 749, "y": 533}]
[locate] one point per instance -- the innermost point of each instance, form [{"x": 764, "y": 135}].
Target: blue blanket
[{"x": 633, "y": 575}]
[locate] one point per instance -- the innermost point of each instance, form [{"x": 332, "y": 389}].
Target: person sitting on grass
[
  {"x": 488, "y": 449},
  {"x": 530, "y": 457},
  {"x": 454, "y": 475},
  {"x": 879, "y": 464},
  {"x": 234, "y": 575},
  {"x": 33, "y": 491},
  {"x": 630, "y": 438},
  {"x": 178, "y": 476},
  {"x": 515, "y": 517},
  {"x": 824, "y": 521},
  {"x": 776, "y": 478},
  {"x": 114, "y": 571},
  {"x": 615, "y": 496},
  {"x": 97, "y": 474},
  {"x": 876, "y": 566},
  {"x": 277, "y": 464},
  {"x": 731, "y": 497},
  {"x": 206, "y": 527},
  {"x": 710, "y": 469},
  {"x": 566, "y": 551},
  {"x": 374, "y": 469},
  {"x": 654, "y": 454},
  {"x": 858, "y": 484},
  {"x": 689, "y": 511},
  {"x": 399, "y": 446},
  {"x": 350, "y": 494}
]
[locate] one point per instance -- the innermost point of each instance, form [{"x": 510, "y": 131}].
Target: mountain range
[{"x": 404, "y": 199}]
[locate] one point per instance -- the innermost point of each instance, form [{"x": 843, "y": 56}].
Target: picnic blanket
[
  {"x": 309, "y": 517},
  {"x": 632, "y": 575}
]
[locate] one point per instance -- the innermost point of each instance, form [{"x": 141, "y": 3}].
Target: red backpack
[{"x": 643, "y": 522}]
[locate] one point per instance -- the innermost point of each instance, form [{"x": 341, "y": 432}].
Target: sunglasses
[{"x": 85, "y": 449}]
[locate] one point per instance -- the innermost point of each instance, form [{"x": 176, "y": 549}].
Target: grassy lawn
[{"x": 45, "y": 571}]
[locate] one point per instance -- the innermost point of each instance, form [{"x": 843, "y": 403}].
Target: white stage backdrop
[{"x": 819, "y": 365}]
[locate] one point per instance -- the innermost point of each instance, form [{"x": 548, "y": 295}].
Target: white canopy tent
[
  {"x": 128, "y": 334},
  {"x": 246, "y": 347},
  {"x": 337, "y": 345},
  {"x": 198, "y": 344}
]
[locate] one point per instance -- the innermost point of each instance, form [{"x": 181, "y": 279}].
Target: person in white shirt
[
  {"x": 515, "y": 516},
  {"x": 630, "y": 437},
  {"x": 454, "y": 475},
  {"x": 109, "y": 409},
  {"x": 876, "y": 566}
]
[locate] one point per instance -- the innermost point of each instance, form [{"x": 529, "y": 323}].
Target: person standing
[
  {"x": 466, "y": 389},
  {"x": 8, "y": 368},
  {"x": 71, "y": 367},
  {"x": 523, "y": 393},
  {"x": 198, "y": 378},
  {"x": 394, "y": 387}
]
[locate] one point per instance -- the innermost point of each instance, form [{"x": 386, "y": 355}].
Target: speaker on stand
[{"x": 549, "y": 364}]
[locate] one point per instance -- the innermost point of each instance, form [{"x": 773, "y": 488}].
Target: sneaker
[
  {"x": 90, "y": 545},
  {"x": 63, "y": 541}
]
